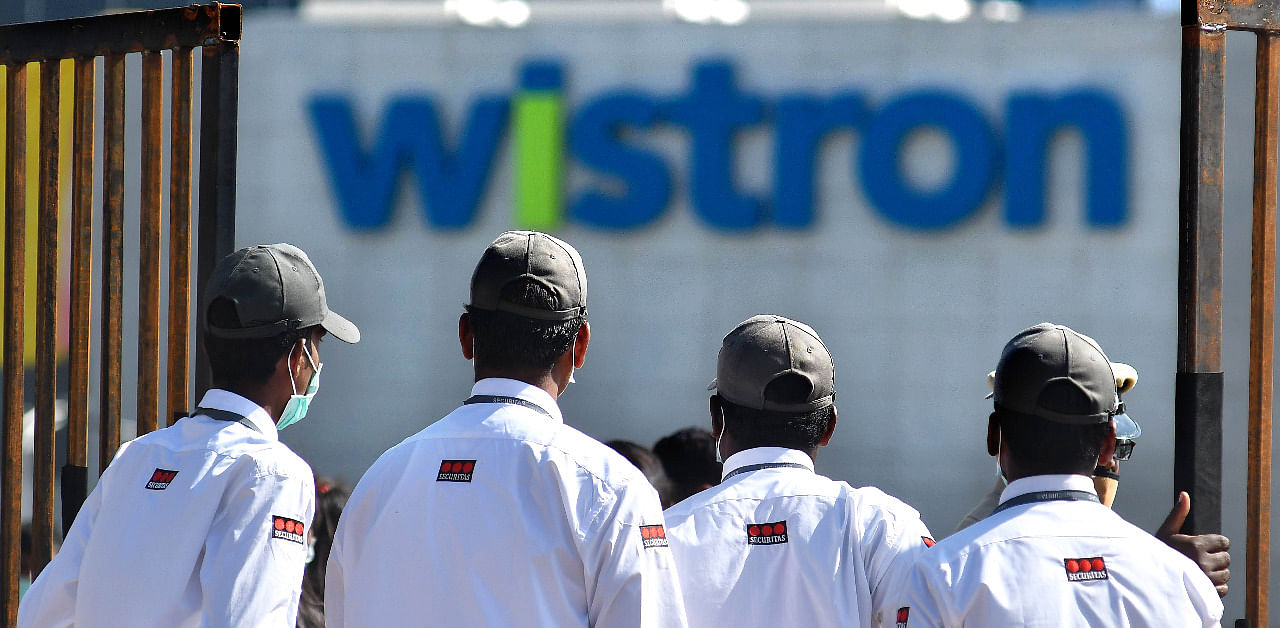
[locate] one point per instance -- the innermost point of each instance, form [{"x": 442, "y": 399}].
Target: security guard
[
  {"x": 500, "y": 514},
  {"x": 1051, "y": 554},
  {"x": 776, "y": 544},
  {"x": 204, "y": 523},
  {"x": 1106, "y": 478}
]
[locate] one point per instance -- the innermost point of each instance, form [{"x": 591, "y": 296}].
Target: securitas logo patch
[
  {"x": 1082, "y": 569},
  {"x": 653, "y": 536},
  {"x": 928, "y": 541},
  {"x": 160, "y": 479},
  {"x": 767, "y": 533},
  {"x": 902, "y": 617},
  {"x": 456, "y": 470},
  {"x": 287, "y": 529}
]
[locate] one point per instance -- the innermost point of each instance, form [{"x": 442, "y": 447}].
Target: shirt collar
[
  {"x": 1037, "y": 483},
  {"x": 766, "y": 455},
  {"x": 219, "y": 399},
  {"x": 503, "y": 387}
]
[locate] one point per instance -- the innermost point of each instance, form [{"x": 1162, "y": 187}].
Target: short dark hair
[
  {"x": 238, "y": 362},
  {"x": 647, "y": 463},
  {"x": 764, "y": 428},
  {"x": 1040, "y": 447},
  {"x": 511, "y": 341},
  {"x": 689, "y": 458}
]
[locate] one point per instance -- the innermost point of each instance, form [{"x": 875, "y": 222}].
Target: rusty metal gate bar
[
  {"x": 216, "y": 30},
  {"x": 1198, "y": 407},
  {"x": 14, "y": 275}
]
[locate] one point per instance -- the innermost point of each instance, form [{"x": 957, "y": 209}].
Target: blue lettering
[
  {"x": 365, "y": 182},
  {"x": 975, "y": 158},
  {"x": 595, "y": 139},
  {"x": 713, "y": 110},
  {"x": 802, "y": 124},
  {"x": 1033, "y": 120}
]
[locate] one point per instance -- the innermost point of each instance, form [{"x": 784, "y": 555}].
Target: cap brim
[
  {"x": 713, "y": 384},
  {"x": 1126, "y": 427},
  {"x": 340, "y": 327}
]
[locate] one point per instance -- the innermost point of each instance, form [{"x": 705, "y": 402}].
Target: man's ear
[
  {"x": 831, "y": 429},
  {"x": 993, "y": 435},
  {"x": 1108, "y": 449},
  {"x": 466, "y": 336},
  {"x": 580, "y": 345}
]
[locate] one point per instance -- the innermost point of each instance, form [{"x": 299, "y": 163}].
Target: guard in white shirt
[
  {"x": 204, "y": 523},
  {"x": 776, "y": 544},
  {"x": 1051, "y": 554},
  {"x": 499, "y": 514}
]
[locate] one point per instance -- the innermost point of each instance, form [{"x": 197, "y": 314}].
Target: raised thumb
[{"x": 1173, "y": 523}]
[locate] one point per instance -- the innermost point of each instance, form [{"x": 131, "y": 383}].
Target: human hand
[{"x": 1208, "y": 551}]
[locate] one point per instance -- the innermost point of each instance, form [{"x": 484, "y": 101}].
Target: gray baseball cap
[
  {"x": 533, "y": 256},
  {"x": 275, "y": 288},
  {"x": 766, "y": 347},
  {"x": 1056, "y": 373}
]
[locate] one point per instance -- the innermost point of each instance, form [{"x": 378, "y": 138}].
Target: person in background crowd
[
  {"x": 1209, "y": 551},
  {"x": 500, "y": 514},
  {"x": 689, "y": 458},
  {"x": 26, "y": 562},
  {"x": 776, "y": 544},
  {"x": 331, "y": 498},
  {"x": 1051, "y": 554},
  {"x": 647, "y": 463},
  {"x": 203, "y": 523}
]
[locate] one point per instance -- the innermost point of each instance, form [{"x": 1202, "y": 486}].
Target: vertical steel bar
[
  {"x": 75, "y": 475},
  {"x": 219, "y": 102},
  {"x": 48, "y": 208},
  {"x": 149, "y": 245},
  {"x": 1262, "y": 329},
  {"x": 1198, "y": 396},
  {"x": 113, "y": 94},
  {"x": 180, "y": 235},
  {"x": 14, "y": 296}
]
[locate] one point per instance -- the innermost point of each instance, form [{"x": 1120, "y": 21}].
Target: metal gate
[
  {"x": 1198, "y": 407},
  {"x": 41, "y": 52}
]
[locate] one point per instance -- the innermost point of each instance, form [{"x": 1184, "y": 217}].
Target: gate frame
[
  {"x": 214, "y": 28},
  {"x": 1199, "y": 393}
]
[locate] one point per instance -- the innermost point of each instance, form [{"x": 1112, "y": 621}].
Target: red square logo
[
  {"x": 1085, "y": 569},
  {"x": 456, "y": 470},
  {"x": 287, "y": 529},
  {"x": 160, "y": 479},
  {"x": 653, "y": 536}
]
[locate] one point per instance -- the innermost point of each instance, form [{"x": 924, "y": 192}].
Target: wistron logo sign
[{"x": 632, "y": 186}]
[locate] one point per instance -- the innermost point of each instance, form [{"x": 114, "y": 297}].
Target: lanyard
[
  {"x": 766, "y": 465},
  {"x": 227, "y": 415},
  {"x": 1048, "y": 496},
  {"x": 515, "y": 401}
]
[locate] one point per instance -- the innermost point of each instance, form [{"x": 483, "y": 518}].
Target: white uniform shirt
[
  {"x": 502, "y": 515},
  {"x": 199, "y": 524},
  {"x": 784, "y": 546},
  {"x": 1058, "y": 563}
]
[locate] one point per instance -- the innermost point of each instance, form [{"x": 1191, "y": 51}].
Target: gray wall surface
[{"x": 914, "y": 319}]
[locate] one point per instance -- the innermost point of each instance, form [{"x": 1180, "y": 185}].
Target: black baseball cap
[
  {"x": 1056, "y": 373},
  {"x": 274, "y": 288},
  {"x": 530, "y": 256},
  {"x": 765, "y": 347}
]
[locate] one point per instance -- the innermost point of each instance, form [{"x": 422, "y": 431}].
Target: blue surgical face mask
[{"x": 296, "y": 409}]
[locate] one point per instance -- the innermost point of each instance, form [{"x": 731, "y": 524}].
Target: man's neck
[
  {"x": 260, "y": 396},
  {"x": 544, "y": 380}
]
